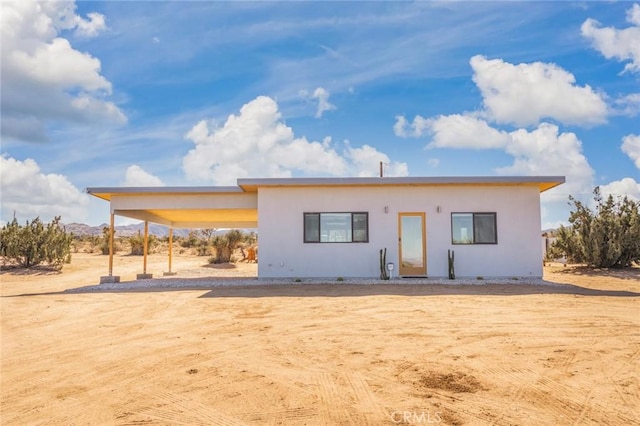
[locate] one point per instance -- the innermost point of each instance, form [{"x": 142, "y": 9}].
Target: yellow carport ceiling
[{"x": 207, "y": 215}]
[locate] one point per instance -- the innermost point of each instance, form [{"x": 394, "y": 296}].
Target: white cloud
[
  {"x": 257, "y": 143},
  {"x": 44, "y": 79},
  {"x": 622, "y": 44},
  {"x": 322, "y": 96},
  {"x": 628, "y": 105},
  {"x": 433, "y": 162},
  {"x": 545, "y": 151},
  {"x": 461, "y": 131},
  {"x": 631, "y": 147},
  {"x": 524, "y": 94},
  {"x": 620, "y": 188},
  {"x": 416, "y": 128},
  {"x": 137, "y": 176},
  {"x": 401, "y": 126},
  {"x": 29, "y": 193},
  {"x": 365, "y": 162},
  {"x": 44, "y": 65},
  {"x": 91, "y": 28}
]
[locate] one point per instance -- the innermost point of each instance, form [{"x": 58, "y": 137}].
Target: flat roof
[
  {"x": 106, "y": 192},
  {"x": 151, "y": 203},
  {"x": 544, "y": 183}
]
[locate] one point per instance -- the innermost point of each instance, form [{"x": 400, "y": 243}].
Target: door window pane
[{"x": 411, "y": 242}]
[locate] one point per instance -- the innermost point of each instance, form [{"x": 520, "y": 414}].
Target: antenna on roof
[{"x": 382, "y": 164}]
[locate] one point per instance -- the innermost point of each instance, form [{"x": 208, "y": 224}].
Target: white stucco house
[{"x": 335, "y": 227}]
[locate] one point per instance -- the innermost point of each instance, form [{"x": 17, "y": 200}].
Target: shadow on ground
[
  {"x": 348, "y": 290},
  {"x": 623, "y": 273},
  {"x": 411, "y": 290},
  {"x": 34, "y": 270}
]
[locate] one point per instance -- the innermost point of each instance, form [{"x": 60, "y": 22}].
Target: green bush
[
  {"x": 36, "y": 243},
  {"x": 607, "y": 237},
  {"x": 225, "y": 245},
  {"x": 137, "y": 244},
  {"x": 203, "y": 248},
  {"x": 104, "y": 242},
  {"x": 190, "y": 241}
]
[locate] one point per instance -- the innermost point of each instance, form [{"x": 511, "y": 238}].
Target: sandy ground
[{"x": 318, "y": 354}]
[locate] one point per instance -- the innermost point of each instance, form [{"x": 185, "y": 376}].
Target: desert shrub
[
  {"x": 36, "y": 243},
  {"x": 137, "y": 244},
  {"x": 203, "y": 248},
  {"x": 207, "y": 233},
  {"x": 104, "y": 242},
  {"x": 85, "y": 243},
  {"x": 606, "y": 237},
  {"x": 190, "y": 241},
  {"x": 204, "y": 242},
  {"x": 225, "y": 245}
]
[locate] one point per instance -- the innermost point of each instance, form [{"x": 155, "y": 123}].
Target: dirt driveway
[{"x": 322, "y": 354}]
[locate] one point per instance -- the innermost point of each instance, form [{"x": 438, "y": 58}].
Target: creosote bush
[
  {"x": 35, "y": 243},
  {"x": 191, "y": 240},
  {"x": 607, "y": 237},
  {"x": 137, "y": 244},
  {"x": 104, "y": 242}
]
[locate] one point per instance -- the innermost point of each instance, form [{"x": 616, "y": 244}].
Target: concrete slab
[
  {"x": 169, "y": 274},
  {"x": 144, "y": 276},
  {"x": 109, "y": 279}
]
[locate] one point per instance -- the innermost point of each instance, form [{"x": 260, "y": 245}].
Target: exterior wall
[{"x": 283, "y": 253}]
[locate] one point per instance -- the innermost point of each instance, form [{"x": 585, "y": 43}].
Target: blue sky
[{"x": 201, "y": 93}]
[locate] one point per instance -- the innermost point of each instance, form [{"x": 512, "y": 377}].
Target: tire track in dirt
[
  {"x": 527, "y": 383},
  {"x": 585, "y": 408},
  {"x": 179, "y": 410},
  {"x": 372, "y": 410},
  {"x": 519, "y": 377},
  {"x": 616, "y": 387},
  {"x": 281, "y": 416},
  {"x": 293, "y": 376},
  {"x": 633, "y": 357},
  {"x": 569, "y": 406},
  {"x": 267, "y": 379},
  {"x": 332, "y": 405}
]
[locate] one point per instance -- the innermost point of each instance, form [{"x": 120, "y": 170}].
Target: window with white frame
[
  {"x": 336, "y": 227},
  {"x": 474, "y": 228}
]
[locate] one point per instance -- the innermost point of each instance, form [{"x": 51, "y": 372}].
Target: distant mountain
[
  {"x": 82, "y": 229},
  {"x": 124, "y": 230}
]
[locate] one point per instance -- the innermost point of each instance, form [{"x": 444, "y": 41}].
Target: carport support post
[
  {"x": 170, "y": 247},
  {"x": 146, "y": 246},
  {"x": 110, "y": 278},
  {"x": 111, "y": 222},
  {"x": 170, "y": 253},
  {"x": 144, "y": 275}
]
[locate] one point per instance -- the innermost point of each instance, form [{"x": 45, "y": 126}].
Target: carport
[{"x": 178, "y": 207}]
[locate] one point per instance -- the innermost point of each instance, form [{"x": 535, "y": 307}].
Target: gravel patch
[{"x": 213, "y": 282}]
